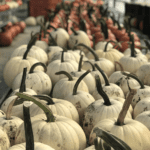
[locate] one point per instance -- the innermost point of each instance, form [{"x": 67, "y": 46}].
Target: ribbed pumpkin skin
[
  {"x": 61, "y": 107},
  {"x": 97, "y": 111},
  {"x": 38, "y": 146},
  {"x": 38, "y": 81},
  {"x": 15, "y": 66},
  {"x": 134, "y": 133},
  {"x": 35, "y": 52},
  {"x": 63, "y": 134},
  {"x": 4, "y": 141},
  {"x": 56, "y": 66}
]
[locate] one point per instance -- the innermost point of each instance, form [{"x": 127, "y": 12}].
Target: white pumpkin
[
  {"x": 10, "y": 124},
  {"x": 30, "y": 21},
  {"x": 142, "y": 91},
  {"x": 112, "y": 54},
  {"x": 35, "y": 52},
  {"x": 72, "y": 136},
  {"x": 128, "y": 51},
  {"x": 99, "y": 110},
  {"x": 132, "y": 132},
  {"x": 4, "y": 141},
  {"x": 133, "y": 62},
  {"x": 61, "y": 36},
  {"x": 37, "y": 146},
  {"x": 60, "y": 65},
  {"x": 123, "y": 81},
  {"x": 52, "y": 50},
  {"x": 101, "y": 45},
  {"x": 58, "y": 106},
  {"x": 42, "y": 44},
  {"x": 65, "y": 86},
  {"x": 38, "y": 81},
  {"x": 16, "y": 64},
  {"x": 111, "y": 89},
  {"x": 143, "y": 73},
  {"x": 144, "y": 118},
  {"x": 79, "y": 37}
]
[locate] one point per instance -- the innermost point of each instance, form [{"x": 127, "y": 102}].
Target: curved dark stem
[
  {"x": 47, "y": 98},
  {"x": 93, "y": 67},
  {"x": 53, "y": 40},
  {"x": 136, "y": 78},
  {"x": 83, "y": 25},
  {"x": 132, "y": 47},
  {"x": 50, "y": 26},
  {"x": 37, "y": 64},
  {"x": 88, "y": 48},
  {"x": 62, "y": 57},
  {"x": 23, "y": 85},
  {"x": 30, "y": 44},
  {"x": 105, "y": 49},
  {"x": 80, "y": 63},
  {"x": 103, "y": 74},
  {"x": 104, "y": 28},
  {"x": 93, "y": 41},
  {"x": 28, "y": 129},
  {"x": 101, "y": 92},
  {"x": 119, "y": 65},
  {"x": 78, "y": 82},
  {"x": 72, "y": 29},
  {"x": 70, "y": 78}
]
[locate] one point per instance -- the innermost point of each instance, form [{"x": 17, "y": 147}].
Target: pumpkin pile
[
  {"x": 10, "y": 31},
  {"x": 74, "y": 89}
]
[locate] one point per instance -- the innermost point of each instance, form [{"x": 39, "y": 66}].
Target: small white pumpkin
[
  {"x": 65, "y": 86},
  {"x": 144, "y": 118},
  {"x": 72, "y": 136},
  {"x": 79, "y": 37},
  {"x": 4, "y": 141},
  {"x": 35, "y": 52},
  {"x": 30, "y": 21},
  {"x": 132, "y": 132},
  {"x": 60, "y": 65},
  {"x": 42, "y": 44},
  {"x": 102, "y": 44},
  {"x": 80, "y": 99},
  {"x": 61, "y": 36},
  {"x": 58, "y": 106},
  {"x": 99, "y": 110},
  {"x": 38, "y": 81},
  {"x": 111, "y": 89}
]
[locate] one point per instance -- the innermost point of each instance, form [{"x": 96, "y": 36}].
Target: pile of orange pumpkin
[
  {"x": 10, "y": 31},
  {"x": 70, "y": 94}
]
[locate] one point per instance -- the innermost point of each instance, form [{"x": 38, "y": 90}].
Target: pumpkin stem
[
  {"x": 103, "y": 74},
  {"x": 80, "y": 63},
  {"x": 104, "y": 28},
  {"x": 78, "y": 82},
  {"x": 72, "y": 29},
  {"x": 121, "y": 117},
  {"x": 45, "y": 108},
  {"x": 62, "y": 57},
  {"x": 118, "y": 24},
  {"x": 50, "y": 26},
  {"x": 28, "y": 129},
  {"x": 47, "y": 98},
  {"x": 132, "y": 47},
  {"x": 83, "y": 25},
  {"x": 23, "y": 85},
  {"x": 110, "y": 139},
  {"x": 93, "y": 41},
  {"x": 105, "y": 49},
  {"x": 93, "y": 67},
  {"x": 53, "y": 40},
  {"x": 70, "y": 78},
  {"x": 101, "y": 92},
  {"x": 88, "y": 48},
  {"x": 121, "y": 67},
  {"x": 38, "y": 64},
  {"x": 134, "y": 77},
  {"x": 30, "y": 44},
  {"x": 9, "y": 109}
]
